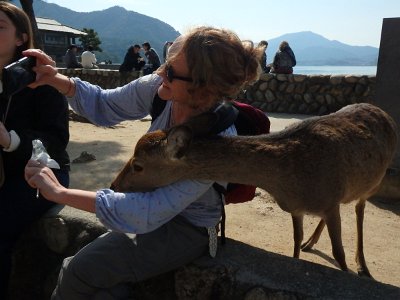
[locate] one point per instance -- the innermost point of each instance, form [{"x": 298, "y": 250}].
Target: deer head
[{"x": 158, "y": 158}]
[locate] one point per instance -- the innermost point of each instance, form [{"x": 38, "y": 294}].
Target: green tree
[{"x": 91, "y": 38}]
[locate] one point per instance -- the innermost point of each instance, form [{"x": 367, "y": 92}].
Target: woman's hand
[
  {"x": 47, "y": 73},
  {"x": 41, "y": 177},
  {"x": 5, "y": 138},
  {"x": 45, "y": 68}
]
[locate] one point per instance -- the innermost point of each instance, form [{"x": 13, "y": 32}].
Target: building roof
[{"x": 53, "y": 25}]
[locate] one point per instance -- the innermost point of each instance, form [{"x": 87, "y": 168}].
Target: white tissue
[{"x": 40, "y": 154}]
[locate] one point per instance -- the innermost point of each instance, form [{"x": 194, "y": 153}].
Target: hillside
[
  {"x": 119, "y": 28},
  {"x": 116, "y": 27}
]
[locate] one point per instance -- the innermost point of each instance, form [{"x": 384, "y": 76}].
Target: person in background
[
  {"x": 165, "y": 50},
  {"x": 70, "y": 59},
  {"x": 132, "y": 60},
  {"x": 264, "y": 45},
  {"x": 153, "y": 60},
  {"x": 284, "y": 59},
  {"x": 169, "y": 226},
  {"x": 88, "y": 59},
  {"x": 27, "y": 115}
]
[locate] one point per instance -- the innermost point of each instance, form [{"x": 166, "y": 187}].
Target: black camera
[{"x": 17, "y": 75}]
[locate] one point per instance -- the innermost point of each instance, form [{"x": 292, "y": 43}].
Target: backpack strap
[
  {"x": 221, "y": 190},
  {"x": 227, "y": 115},
  {"x": 157, "y": 108}
]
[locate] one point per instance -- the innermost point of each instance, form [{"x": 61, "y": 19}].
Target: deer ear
[
  {"x": 202, "y": 124},
  {"x": 178, "y": 140}
]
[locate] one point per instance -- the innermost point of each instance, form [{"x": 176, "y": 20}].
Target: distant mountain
[
  {"x": 116, "y": 27},
  {"x": 119, "y": 28},
  {"x": 312, "y": 49}
]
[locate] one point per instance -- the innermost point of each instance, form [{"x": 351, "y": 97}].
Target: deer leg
[
  {"x": 362, "y": 268},
  {"x": 314, "y": 237},
  {"x": 333, "y": 223},
  {"x": 297, "y": 234}
]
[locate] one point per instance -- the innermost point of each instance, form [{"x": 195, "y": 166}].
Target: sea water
[{"x": 336, "y": 70}]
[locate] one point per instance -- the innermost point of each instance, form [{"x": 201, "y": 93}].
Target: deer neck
[{"x": 247, "y": 160}]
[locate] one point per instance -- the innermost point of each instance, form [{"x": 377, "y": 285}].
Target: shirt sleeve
[
  {"x": 144, "y": 212},
  {"x": 102, "y": 107}
]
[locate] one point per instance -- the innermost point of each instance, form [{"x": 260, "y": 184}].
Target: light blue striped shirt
[{"x": 195, "y": 200}]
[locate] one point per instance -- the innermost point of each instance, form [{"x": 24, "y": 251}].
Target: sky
[{"x": 353, "y": 22}]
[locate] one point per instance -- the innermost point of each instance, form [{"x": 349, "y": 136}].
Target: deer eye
[{"x": 137, "y": 168}]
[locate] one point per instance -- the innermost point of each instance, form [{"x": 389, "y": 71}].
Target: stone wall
[
  {"x": 105, "y": 78},
  {"x": 239, "y": 271},
  {"x": 309, "y": 94},
  {"x": 293, "y": 93},
  {"x": 38, "y": 255}
]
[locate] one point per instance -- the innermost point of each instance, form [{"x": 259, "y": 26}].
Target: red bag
[{"x": 250, "y": 121}]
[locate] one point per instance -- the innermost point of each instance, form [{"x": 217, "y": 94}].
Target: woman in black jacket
[
  {"x": 132, "y": 60},
  {"x": 29, "y": 114}
]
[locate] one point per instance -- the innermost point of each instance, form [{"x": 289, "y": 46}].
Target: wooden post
[{"x": 388, "y": 94}]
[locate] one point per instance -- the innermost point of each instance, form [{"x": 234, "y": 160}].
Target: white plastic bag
[{"x": 40, "y": 154}]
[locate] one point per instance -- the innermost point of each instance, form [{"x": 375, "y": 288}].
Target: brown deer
[{"x": 310, "y": 167}]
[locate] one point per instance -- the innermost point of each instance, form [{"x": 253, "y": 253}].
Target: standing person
[
  {"x": 88, "y": 58},
  {"x": 169, "y": 225},
  {"x": 153, "y": 60},
  {"x": 263, "y": 62},
  {"x": 132, "y": 60},
  {"x": 284, "y": 59},
  {"x": 70, "y": 59},
  {"x": 165, "y": 50},
  {"x": 25, "y": 116}
]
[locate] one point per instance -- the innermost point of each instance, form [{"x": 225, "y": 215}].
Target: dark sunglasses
[{"x": 171, "y": 76}]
